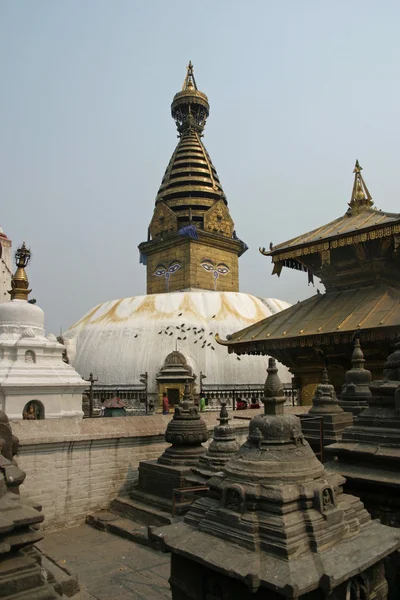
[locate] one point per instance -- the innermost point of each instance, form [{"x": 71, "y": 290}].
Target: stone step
[
  {"x": 140, "y": 512},
  {"x": 122, "y": 527},
  {"x": 64, "y": 582}
]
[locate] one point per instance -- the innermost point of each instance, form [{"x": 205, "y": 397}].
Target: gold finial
[
  {"x": 20, "y": 284},
  {"x": 190, "y": 82},
  {"x": 360, "y": 196}
]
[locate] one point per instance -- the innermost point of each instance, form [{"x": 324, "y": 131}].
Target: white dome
[
  {"x": 121, "y": 339},
  {"x": 21, "y": 318}
]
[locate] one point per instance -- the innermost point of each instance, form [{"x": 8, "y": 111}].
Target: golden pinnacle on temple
[
  {"x": 19, "y": 283},
  {"x": 360, "y": 196}
]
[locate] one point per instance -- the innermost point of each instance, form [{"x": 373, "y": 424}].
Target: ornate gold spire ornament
[
  {"x": 360, "y": 196},
  {"x": 19, "y": 283}
]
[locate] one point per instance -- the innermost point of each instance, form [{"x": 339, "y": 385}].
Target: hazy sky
[{"x": 298, "y": 91}]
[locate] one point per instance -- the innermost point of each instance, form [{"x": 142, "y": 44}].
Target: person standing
[
  {"x": 165, "y": 404},
  {"x": 202, "y": 404}
]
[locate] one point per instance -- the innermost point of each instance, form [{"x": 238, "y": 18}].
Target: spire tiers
[
  {"x": 360, "y": 196},
  {"x": 19, "y": 283}
]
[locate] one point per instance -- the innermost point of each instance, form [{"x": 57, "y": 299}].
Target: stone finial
[
  {"x": 222, "y": 447},
  {"x": 325, "y": 400},
  {"x": 355, "y": 393},
  {"x": 185, "y": 432},
  {"x": 274, "y": 398}
]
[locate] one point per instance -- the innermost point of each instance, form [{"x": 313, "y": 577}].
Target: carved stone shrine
[
  {"x": 334, "y": 418},
  {"x": 356, "y": 394},
  {"x": 369, "y": 453},
  {"x": 186, "y": 433},
  {"x": 275, "y": 524},
  {"x": 221, "y": 449},
  {"x": 21, "y": 576}
]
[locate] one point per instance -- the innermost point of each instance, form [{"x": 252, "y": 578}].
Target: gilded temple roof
[
  {"x": 333, "y": 313},
  {"x": 360, "y": 223}
]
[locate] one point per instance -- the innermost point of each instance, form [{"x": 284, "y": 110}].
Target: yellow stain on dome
[{"x": 148, "y": 309}]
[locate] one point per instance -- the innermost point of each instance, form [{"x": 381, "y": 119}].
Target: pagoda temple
[{"x": 357, "y": 258}]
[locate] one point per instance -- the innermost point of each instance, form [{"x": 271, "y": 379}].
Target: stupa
[
  {"x": 223, "y": 446},
  {"x": 326, "y": 406},
  {"x": 191, "y": 256},
  {"x": 35, "y": 382},
  {"x": 186, "y": 432},
  {"x": 275, "y": 524},
  {"x": 369, "y": 453},
  {"x": 356, "y": 392}
]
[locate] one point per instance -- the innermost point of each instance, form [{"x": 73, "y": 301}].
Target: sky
[{"x": 298, "y": 92}]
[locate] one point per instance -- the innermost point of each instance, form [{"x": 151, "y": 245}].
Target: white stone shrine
[{"x": 35, "y": 382}]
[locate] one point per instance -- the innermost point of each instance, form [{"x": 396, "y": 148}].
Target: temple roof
[
  {"x": 361, "y": 219},
  {"x": 336, "y": 313}
]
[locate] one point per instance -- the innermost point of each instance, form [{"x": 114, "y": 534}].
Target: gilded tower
[{"x": 191, "y": 239}]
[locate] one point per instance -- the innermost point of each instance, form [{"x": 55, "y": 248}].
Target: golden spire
[
  {"x": 190, "y": 81},
  {"x": 360, "y": 196},
  {"x": 19, "y": 283}
]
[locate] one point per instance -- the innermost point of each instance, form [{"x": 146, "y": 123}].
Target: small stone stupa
[
  {"x": 276, "y": 525},
  {"x": 356, "y": 394},
  {"x": 35, "y": 382},
  {"x": 21, "y": 576},
  {"x": 369, "y": 453},
  {"x": 221, "y": 449},
  {"x": 325, "y": 405},
  {"x": 186, "y": 433}
]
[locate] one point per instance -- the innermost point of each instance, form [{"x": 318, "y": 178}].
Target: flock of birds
[{"x": 197, "y": 334}]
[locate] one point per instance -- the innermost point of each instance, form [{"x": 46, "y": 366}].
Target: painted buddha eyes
[
  {"x": 163, "y": 271},
  {"x": 220, "y": 269},
  {"x": 173, "y": 267},
  {"x": 207, "y": 265},
  {"x": 160, "y": 271}
]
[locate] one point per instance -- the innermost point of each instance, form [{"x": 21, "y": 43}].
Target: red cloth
[{"x": 165, "y": 405}]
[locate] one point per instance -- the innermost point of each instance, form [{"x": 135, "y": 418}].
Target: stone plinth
[
  {"x": 356, "y": 394},
  {"x": 334, "y": 418},
  {"x": 20, "y": 572},
  {"x": 157, "y": 479},
  {"x": 275, "y": 524},
  {"x": 221, "y": 449},
  {"x": 369, "y": 453}
]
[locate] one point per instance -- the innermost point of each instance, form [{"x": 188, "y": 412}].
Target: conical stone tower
[
  {"x": 191, "y": 240},
  {"x": 275, "y": 524},
  {"x": 334, "y": 418},
  {"x": 356, "y": 393},
  {"x": 222, "y": 447}
]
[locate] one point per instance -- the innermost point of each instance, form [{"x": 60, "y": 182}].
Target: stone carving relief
[
  {"x": 30, "y": 356},
  {"x": 218, "y": 220},
  {"x": 217, "y": 270},
  {"x": 166, "y": 272},
  {"x": 325, "y": 499},
  {"x": 234, "y": 498}
]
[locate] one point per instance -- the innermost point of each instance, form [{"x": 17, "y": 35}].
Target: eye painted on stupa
[
  {"x": 174, "y": 266},
  {"x": 160, "y": 271},
  {"x": 222, "y": 269},
  {"x": 207, "y": 265}
]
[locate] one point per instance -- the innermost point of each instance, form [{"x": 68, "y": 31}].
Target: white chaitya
[
  {"x": 121, "y": 339},
  {"x": 5, "y": 266},
  {"x": 35, "y": 382}
]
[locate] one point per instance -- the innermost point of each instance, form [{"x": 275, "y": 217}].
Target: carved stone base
[
  {"x": 157, "y": 482},
  {"x": 21, "y": 578},
  {"x": 333, "y": 426}
]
